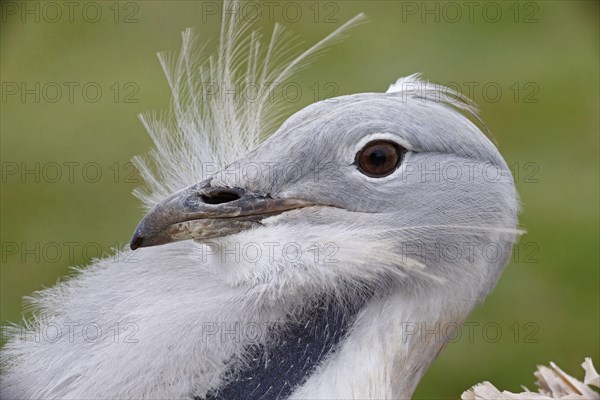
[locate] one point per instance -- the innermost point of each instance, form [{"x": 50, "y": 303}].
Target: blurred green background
[{"x": 543, "y": 56}]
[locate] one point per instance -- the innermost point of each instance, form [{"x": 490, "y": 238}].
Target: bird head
[
  {"x": 400, "y": 189},
  {"x": 360, "y": 218}
]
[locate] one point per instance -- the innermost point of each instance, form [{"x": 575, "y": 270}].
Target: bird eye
[{"x": 379, "y": 158}]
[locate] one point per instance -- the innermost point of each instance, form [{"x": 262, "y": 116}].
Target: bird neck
[
  {"x": 275, "y": 369},
  {"x": 390, "y": 346}
]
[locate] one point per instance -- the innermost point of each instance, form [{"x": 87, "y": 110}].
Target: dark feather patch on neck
[{"x": 274, "y": 371}]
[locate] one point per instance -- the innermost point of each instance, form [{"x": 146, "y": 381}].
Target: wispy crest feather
[
  {"x": 415, "y": 86},
  {"x": 204, "y": 130}
]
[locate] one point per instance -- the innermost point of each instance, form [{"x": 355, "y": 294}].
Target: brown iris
[{"x": 379, "y": 158}]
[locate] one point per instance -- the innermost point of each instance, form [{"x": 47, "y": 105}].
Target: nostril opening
[{"x": 219, "y": 197}]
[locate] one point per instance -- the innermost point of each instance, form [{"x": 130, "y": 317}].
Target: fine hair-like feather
[{"x": 204, "y": 131}]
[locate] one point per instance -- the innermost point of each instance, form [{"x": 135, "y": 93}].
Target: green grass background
[{"x": 558, "y": 292}]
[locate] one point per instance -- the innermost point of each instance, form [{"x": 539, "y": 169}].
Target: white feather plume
[
  {"x": 162, "y": 306},
  {"x": 415, "y": 86},
  {"x": 552, "y": 383},
  {"x": 205, "y": 130}
]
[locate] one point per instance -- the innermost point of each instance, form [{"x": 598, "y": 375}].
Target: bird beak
[{"x": 202, "y": 212}]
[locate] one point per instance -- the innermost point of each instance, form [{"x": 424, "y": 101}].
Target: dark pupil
[{"x": 378, "y": 157}]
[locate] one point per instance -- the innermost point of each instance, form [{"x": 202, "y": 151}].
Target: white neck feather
[{"x": 392, "y": 344}]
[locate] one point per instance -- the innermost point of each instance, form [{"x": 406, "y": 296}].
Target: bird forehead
[{"x": 340, "y": 123}]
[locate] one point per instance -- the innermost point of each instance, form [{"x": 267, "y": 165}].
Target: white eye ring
[
  {"x": 382, "y": 136},
  {"x": 379, "y": 158}
]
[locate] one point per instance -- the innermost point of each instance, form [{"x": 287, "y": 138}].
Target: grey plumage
[{"x": 451, "y": 190}]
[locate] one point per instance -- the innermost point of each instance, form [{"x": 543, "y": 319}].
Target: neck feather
[
  {"x": 275, "y": 368},
  {"x": 390, "y": 346}
]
